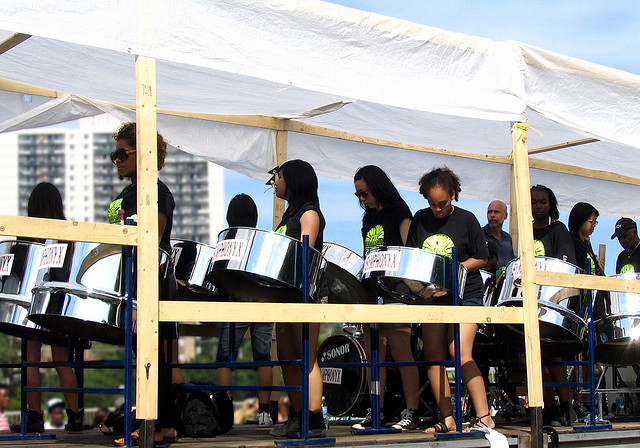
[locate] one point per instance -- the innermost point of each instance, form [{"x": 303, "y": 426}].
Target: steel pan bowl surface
[
  {"x": 409, "y": 275},
  {"x": 343, "y": 274},
  {"x": 85, "y": 295},
  {"x": 562, "y": 312},
  {"x": 257, "y": 265},
  {"x": 617, "y": 325},
  {"x": 191, "y": 262},
  {"x": 19, "y": 261}
]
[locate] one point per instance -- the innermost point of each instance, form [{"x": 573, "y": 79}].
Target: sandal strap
[{"x": 479, "y": 423}]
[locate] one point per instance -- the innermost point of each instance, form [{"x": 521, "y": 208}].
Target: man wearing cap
[
  {"x": 496, "y": 215},
  {"x": 627, "y": 233},
  {"x": 55, "y": 408}
]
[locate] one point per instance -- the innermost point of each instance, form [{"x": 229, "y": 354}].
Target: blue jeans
[{"x": 261, "y": 334}]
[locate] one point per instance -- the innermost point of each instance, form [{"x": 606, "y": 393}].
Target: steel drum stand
[
  {"x": 304, "y": 421},
  {"x": 80, "y": 364},
  {"x": 455, "y": 290},
  {"x": 376, "y": 426},
  {"x": 593, "y": 424}
]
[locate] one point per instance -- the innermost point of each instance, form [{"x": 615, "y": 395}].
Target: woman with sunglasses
[
  {"x": 386, "y": 222},
  {"x": 552, "y": 239},
  {"x": 125, "y": 206},
  {"x": 297, "y": 183},
  {"x": 439, "y": 229}
]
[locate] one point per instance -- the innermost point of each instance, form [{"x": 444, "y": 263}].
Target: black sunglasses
[
  {"x": 121, "y": 155},
  {"x": 273, "y": 171}
]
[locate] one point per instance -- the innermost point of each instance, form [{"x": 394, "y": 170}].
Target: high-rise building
[{"x": 75, "y": 158}]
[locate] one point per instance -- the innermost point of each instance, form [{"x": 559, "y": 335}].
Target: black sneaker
[
  {"x": 581, "y": 409},
  {"x": 35, "y": 422},
  {"x": 366, "y": 423},
  {"x": 408, "y": 420},
  {"x": 292, "y": 424},
  {"x": 75, "y": 419},
  {"x": 316, "y": 427},
  {"x": 564, "y": 417}
]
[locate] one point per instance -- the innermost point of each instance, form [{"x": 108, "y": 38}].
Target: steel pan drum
[
  {"x": 19, "y": 261},
  {"x": 410, "y": 275},
  {"x": 191, "y": 262},
  {"x": 617, "y": 328},
  {"x": 344, "y": 270},
  {"x": 562, "y": 312},
  {"x": 485, "y": 332},
  {"x": 80, "y": 290},
  {"x": 343, "y": 387},
  {"x": 258, "y": 265}
]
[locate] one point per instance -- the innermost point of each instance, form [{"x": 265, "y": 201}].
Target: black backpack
[{"x": 199, "y": 416}]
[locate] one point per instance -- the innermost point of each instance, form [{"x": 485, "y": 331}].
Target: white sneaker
[{"x": 264, "y": 420}]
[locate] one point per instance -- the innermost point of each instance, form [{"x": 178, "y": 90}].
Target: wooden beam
[
  {"x": 147, "y": 210},
  {"x": 529, "y": 290},
  {"x": 18, "y": 87},
  {"x": 281, "y": 158},
  {"x": 542, "y": 149},
  {"x": 513, "y": 212},
  {"x": 58, "y": 229},
  {"x": 12, "y": 41},
  {"x": 583, "y": 281},
  {"x": 171, "y": 311},
  {"x": 573, "y": 170}
]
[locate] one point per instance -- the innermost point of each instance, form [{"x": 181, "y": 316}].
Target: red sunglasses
[{"x": 362, "y": 194}]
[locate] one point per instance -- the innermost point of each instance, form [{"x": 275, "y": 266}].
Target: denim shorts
[{"x": 261, "y": 334}]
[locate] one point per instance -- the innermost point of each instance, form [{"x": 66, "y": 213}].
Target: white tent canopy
[{"x": 334, "y": 67}]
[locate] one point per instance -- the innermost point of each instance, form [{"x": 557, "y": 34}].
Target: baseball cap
[
  {"x": 622, "y": 226},
  {"x": 54, "y": 403}
]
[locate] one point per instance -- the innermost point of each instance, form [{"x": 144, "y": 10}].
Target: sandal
[
  {"x": 440, "y": 427},
  {"x": 158, "y": 438},
  {"x": 479, "y": 424}
]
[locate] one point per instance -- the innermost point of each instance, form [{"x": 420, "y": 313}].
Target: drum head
[{"x": 343, "y": 385}]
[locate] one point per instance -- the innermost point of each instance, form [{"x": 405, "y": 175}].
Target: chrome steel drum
[
  {"x": 257, "y": 265},
  {"x": 562, "y": 312},
  {"x": 343, "y": 274},
  {"x": 80, "y": 290},
  {"x": 410, "y": 275},
  {"x": 343, "y": 386},
  {"x": 191, "y": 263},
  {"x": 617, "y": 328},
  {"x": 19, "y": 261}
]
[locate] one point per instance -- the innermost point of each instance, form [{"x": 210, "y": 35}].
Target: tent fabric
[{"x": 335, "y": 67}]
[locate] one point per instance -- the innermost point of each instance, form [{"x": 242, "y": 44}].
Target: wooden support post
[
  {"x": 513, "y": 212},
  {"x": 147, "y": 256},
  {"x": 278, "y": 210},
  {"x": 529, "y": 291},
  {"x": 281, "y": 157},
  {"x": 602, "y": 254}
]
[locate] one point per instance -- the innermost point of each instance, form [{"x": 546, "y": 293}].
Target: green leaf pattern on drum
[
  {"x": 374, "y": 238},
  {"x": 538, "y": 248},
  {"x": 282, "y": 230},
  {"x": 439, "y": 243}
]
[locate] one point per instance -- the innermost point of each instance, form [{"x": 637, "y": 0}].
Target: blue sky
[{"x": 604, "y": 32}]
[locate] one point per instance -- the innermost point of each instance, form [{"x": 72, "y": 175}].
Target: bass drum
[
  {"x": 617, "y": 325},
  {"x": 562, "y": 312},
  {"x": 19, "y": 262},
  {"x": 344, "y": 385},
  {"x": 410, "y": 275}
]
